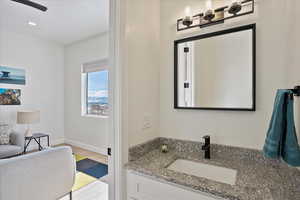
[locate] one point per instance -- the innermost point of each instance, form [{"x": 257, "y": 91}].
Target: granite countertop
[{"x": 257, "y": 178}]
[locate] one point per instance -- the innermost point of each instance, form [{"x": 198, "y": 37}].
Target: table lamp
[{"x": 28, "y": 117}]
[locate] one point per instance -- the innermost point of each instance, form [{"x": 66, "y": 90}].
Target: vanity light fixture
[{"x": 212, "y": 16}]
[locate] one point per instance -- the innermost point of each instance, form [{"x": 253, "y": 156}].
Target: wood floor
[
  {"x": 94, "y": 191},
  {"x": 97, "y": 190},
  {"x": 89, "y": 154}
]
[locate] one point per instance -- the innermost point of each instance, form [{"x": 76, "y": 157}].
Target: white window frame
[{"x": 86, "y": 68}]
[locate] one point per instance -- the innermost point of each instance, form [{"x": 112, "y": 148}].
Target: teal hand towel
[{"x": 281, "y": 141}]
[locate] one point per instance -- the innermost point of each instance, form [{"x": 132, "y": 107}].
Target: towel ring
[{"x": 296, "y": 90}]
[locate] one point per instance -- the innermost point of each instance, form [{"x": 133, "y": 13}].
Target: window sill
[{"x": 95, "y": 116}]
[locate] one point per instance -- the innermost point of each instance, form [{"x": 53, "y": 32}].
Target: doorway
[{"x": 65, "y": 53}]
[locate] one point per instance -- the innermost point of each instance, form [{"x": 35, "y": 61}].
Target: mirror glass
[{"x": 216, "y": 70}]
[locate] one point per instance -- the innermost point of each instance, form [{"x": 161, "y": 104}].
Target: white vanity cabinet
[{"x": 144, "y": 188}]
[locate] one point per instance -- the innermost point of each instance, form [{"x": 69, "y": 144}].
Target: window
[{"x": 95, "y": 89}]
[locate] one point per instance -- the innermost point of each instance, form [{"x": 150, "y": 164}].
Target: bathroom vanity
[{"x": 232, "y": 173}]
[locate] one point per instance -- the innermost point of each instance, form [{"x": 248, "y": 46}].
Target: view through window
[{"x": 97, "y": 93}]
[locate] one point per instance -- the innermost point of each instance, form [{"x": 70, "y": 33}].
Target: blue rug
[{"x": 92, "y": 168}]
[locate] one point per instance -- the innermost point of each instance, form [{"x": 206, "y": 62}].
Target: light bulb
[
  {"x": 209, "y": 13},
  {"x": 208, "y": 5},
  {"x": 188, "y": 18},
  {"x": 188, "y": 11}
]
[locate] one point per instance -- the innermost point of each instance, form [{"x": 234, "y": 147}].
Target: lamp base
[{"x": 28, "y": 133}]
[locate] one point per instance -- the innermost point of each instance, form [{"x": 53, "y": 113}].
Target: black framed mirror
[{"x": 216, "y": 71}]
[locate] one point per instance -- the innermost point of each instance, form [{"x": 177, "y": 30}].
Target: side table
[{"x": 37, "y": 138}]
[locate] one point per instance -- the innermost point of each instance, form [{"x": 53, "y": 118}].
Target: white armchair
[{"x": 45, "y": 175}]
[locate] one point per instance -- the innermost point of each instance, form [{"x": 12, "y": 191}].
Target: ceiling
[{"x": 65, "y": 22}]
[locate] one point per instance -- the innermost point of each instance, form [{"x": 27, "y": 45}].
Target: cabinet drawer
[{"x": 143, "y": 188}]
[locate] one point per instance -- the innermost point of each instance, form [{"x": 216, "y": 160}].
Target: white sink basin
[{"x": 211, "y": 172}]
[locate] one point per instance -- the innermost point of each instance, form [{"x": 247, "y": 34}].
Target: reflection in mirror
[{"x": 216, "y": 71}]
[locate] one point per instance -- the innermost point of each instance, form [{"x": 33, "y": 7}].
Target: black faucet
[{"x": 206, "y": 147}]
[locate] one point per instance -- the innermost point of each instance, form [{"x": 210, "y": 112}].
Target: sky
[
  {"x": 13, "y": 71},
  {"x": 98, "y": 83}
]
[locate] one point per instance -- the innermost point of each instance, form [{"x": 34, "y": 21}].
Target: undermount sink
[{"x": 211, "y": 172}]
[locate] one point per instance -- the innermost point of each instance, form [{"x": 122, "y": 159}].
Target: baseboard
[
  {"x": 34, "y": 146},
  {"x": 86, "y": 146}
]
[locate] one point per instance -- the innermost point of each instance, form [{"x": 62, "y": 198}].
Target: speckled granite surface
[
  {"x": 144, "y": 148},
  {"x": 257, "y": 178}
]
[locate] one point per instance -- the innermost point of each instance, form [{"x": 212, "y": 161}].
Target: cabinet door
[{"x": 144, "y": 188}]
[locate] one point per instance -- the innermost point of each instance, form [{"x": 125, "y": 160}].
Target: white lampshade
[{"x": 28, "y": 117}]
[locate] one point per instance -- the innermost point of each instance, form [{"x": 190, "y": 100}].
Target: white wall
[
  {"x": 44, "y": 63},
  {"x": 245, "y": 129},
  {"x": 277, "y": 67},
  {"x": 87, "y": 132},
  {"x": 142, "y": 48}
]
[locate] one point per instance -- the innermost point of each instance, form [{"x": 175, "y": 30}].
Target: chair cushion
[
  {"x": 4, "y": 134},
  {"x": 9, "y": 150}
]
